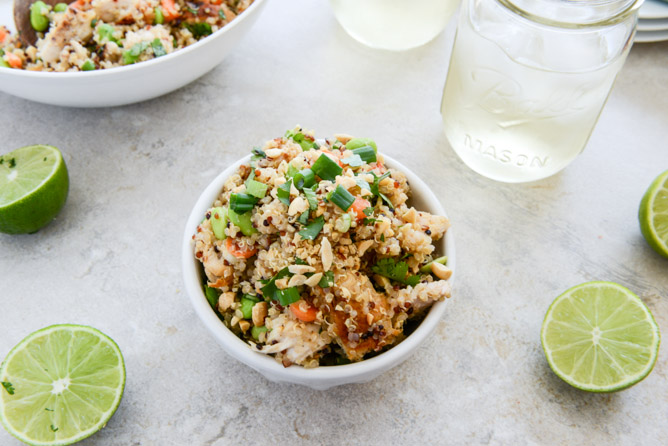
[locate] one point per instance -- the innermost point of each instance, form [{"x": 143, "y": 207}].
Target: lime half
[
  {"x": 33, "y": 188},
  {"x": 60, "y": 385},
  {"x": 600, "y": 337},
  {"x": 653, "y": 214}
]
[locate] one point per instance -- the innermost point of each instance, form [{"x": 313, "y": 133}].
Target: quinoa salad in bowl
[
  {"x": 312, "y": 255},
  {"x": 88, "y": 35}
]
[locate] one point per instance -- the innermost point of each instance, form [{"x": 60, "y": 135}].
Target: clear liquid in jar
[{"x": 512, "y": 122}]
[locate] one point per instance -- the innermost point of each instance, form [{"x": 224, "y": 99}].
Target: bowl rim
[
  {"x": 137, "y": 66},
  {"x": 241, "y": 351}
]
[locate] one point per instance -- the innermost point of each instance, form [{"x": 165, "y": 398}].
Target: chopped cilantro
[
  {"x": 158, "y": 49},
  {"x": 368, "y": 211},
  {"x": 309, "y": 193},
  {"x": 270, "y": 291},
  {"x": 374, "y": 188},
  {"x": 132, "y": 55},
  {"x": 311, "y": 231},
  {"x": 8, "y": 387},
  {"x": 283, "y": 193},
  {"x": 305, "y": 141},
  {"x": 288, "y": 296},
  {"x": 353, "y": 161},
  {"x": 222, "y": 15},
  {"x": 50, "y": 410},
  {"x": 362, "y": 184},
  {"x": 382, "y": 237},
  {"x": 394, "y": 270},
  {"x": 303, "y": 219},
  {"x": 292, "y": 171},
  {"x": 55, "y": 429},
  {"x": 327, "y": 280},
  {"x": 12, "y": 162},
  {"x": 299, "y": 261},
  {"x": 258, "y": 152},
  {"x": 369, "y": 221},
  {"x": 199, "y": 29}
]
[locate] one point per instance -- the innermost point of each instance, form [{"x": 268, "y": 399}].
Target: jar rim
[{"x": 573, "y": 13}]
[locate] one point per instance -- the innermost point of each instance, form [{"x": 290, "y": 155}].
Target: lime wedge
[
  {"x": 653, "y": 214},
  {"x": 600, "y": 337},
  {"x": 60, "y": 385},
  {"x": 33, "y": 188}
]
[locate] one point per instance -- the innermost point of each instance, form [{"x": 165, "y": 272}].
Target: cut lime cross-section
[
  {"x": 60, "y": 385},
  {"x": 653, "y": 214},
  {"x": 33, "y": 188},
  {"x": 600, "y": 337}
]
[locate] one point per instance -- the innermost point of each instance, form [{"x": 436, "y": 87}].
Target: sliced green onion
[
  {"x": 304, "y": 178},
  {"x": 256, "y": 188},
  {"x": 356, "y": 143},
  {"x": 218, "y": 221},
  {"x": 342, "y": 198},
  {"x": 327, "y": 280},
  {"x": 311, "y": 231},
  {"x": 367, "y": 154},
  {"x": 353, "y": 161},
  {"x": 242, "y": 203},
  {"x": 248, "y": 301},
  {"x": 243, "y": 221},
  {"x": 255, "y": 331},
  {"x": 427, "y": 268},
  {"x": 288, "y": 296},
  {"x": 309, "y": 193},
  {"x": 283, "y": 193},
  {"x": 326, "y": 168},
  {"x": 342, "y": 224},
  {"x": 211, "y": 295}
]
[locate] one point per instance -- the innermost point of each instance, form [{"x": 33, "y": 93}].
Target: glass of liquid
[
  {"x": 528, "y": 80},
  {"x": 393, "y": 24}
]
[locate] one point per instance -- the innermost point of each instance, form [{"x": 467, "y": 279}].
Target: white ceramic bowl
[
  {"x": 320, "y": 377},
  {"x": 128, "y": 84}
]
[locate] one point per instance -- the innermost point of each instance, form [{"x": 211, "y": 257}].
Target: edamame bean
[
  {"x": 38, "y": 19},
  {"x": 88, "y": 66},
  {"x": 159, "y": 16},
  {"x": 60, "y": 7}
]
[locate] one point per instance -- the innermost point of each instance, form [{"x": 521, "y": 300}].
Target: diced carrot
[
  {"x": 3, "y": 34},
  {"x": 169, "y": 9},
  {"x": 305, "y": 316},
  {"x": 13, "y": 60},
  {"x": 240, "y": 252},
  {"x": 78, "y": 4},
  {"x": 359, "y": 205}
]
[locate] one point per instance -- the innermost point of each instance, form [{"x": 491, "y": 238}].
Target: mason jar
[{"x": 528, "y": 79}]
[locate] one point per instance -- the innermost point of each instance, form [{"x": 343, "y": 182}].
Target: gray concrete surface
[{"x": 111, "y": 260}]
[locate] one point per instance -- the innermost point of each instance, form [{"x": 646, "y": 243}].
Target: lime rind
[
  {"x": 56, "y": 415},
  {"x": 653, "y": 215},
  {"x": 624, "y": 354}
]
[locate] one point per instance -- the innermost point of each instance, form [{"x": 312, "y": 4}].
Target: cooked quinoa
[
  {"x": 313, "y": 255},
  {"x": 100, "y": 34}
]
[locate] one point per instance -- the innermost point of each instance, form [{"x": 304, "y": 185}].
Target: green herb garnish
[
  {"x": 394, "y": 270},
  {"x": 311, "y": 231},
  {"x": 132, "y": 55},
  {"x": 327, "y": 280},
  {"x": 375, "y": 188},
  {"x": 199, "y": 29},
  {"x": 306, "y": 142},
  {"x": 309, "y": 193},
  {"x": 353, "y": 161},
  {"x": 158, "y": 49},
  {"x": 212, "y": 296},
  {"x": 283, "y": 193},
  {"x": 269, "y": 291}
]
